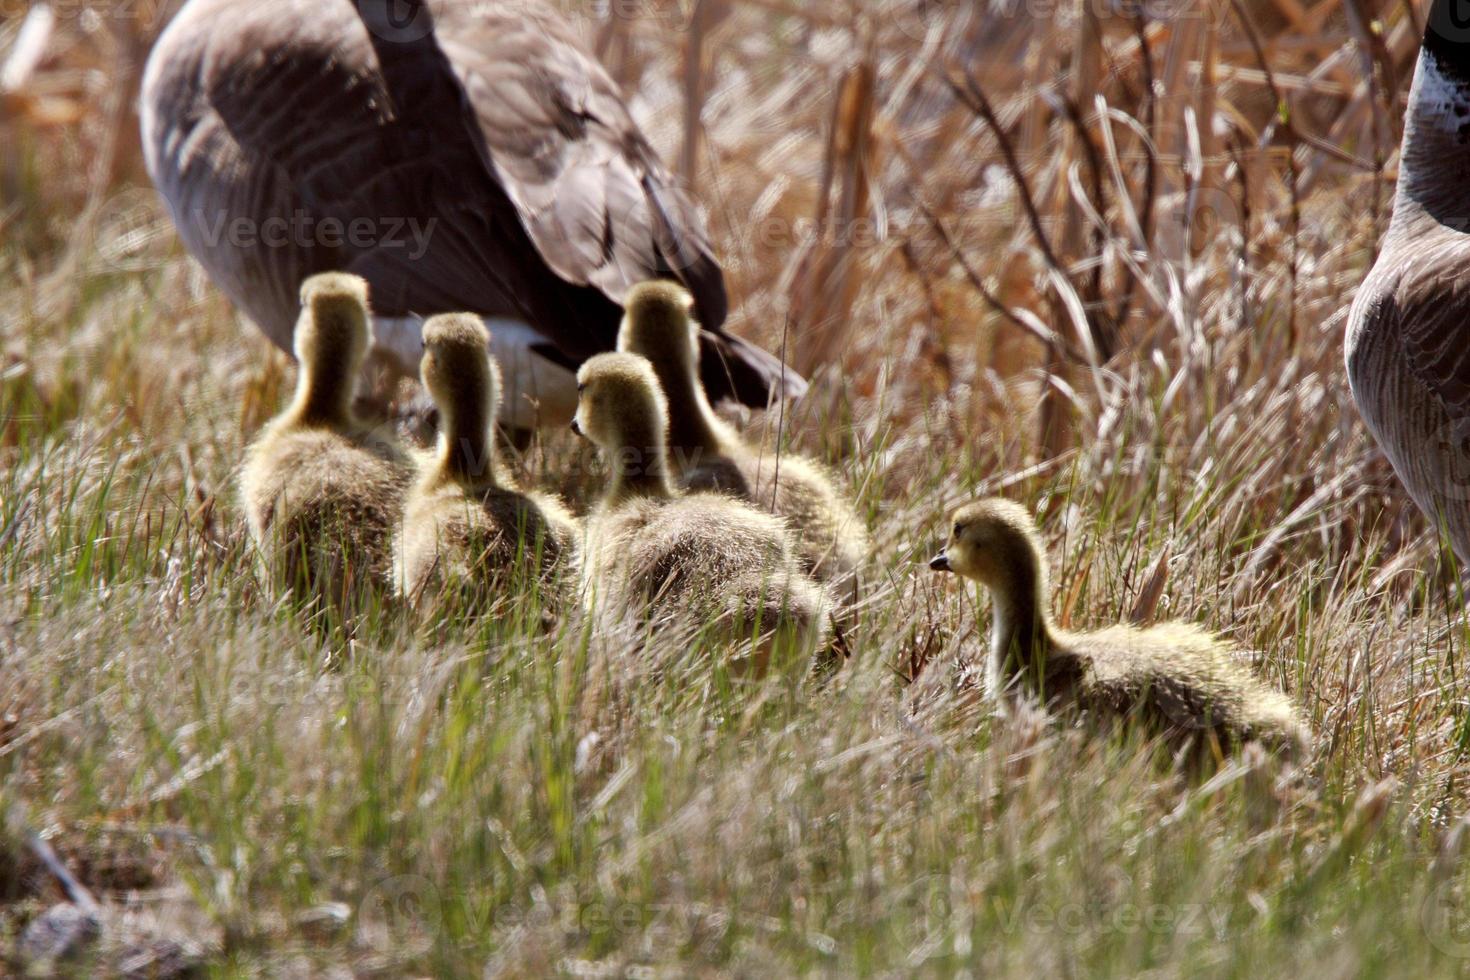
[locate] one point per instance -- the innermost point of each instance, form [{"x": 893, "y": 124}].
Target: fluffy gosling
[
  {"x": 708, "y": 454},
  {"x": 654, "y": 551},
  {"x": 321, "y": 488},
  {"x": 467, "y": 527},
  {"x": 1174, "y": 677}
]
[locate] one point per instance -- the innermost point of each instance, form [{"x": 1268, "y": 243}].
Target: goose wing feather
[
  {"x": 1426, "y": 306},
  {"x": 1436, "y": 334},
  {"x": 588, "y": 187}
]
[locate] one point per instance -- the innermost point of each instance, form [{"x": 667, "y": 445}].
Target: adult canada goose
[
  {"x": 466, "y": 525},
  {"x": 706, "y": 453},
  {"x": 652, "y": 550},
  {"x": 321, "y": 489},
  {"x": 470, "y": 155},
  {"x": 1174, "y": 676},
  {"x": 1408, "y": 343}
]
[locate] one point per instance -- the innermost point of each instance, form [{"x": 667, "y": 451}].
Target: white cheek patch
[{"x": 1440, "y": 98}]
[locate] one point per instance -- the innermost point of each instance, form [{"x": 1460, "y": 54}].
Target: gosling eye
[
  {"x": 581, "y": 387},
  {"x": 958, "y": 530}
]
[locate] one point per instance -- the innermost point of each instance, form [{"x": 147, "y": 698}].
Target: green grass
[
  {"x": 287, "y": 794},
  {"x": 460, "y": 796}
]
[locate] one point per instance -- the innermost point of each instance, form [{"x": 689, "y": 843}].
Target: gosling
[
  {"x": 1174, "y": 677},
  {"x": 467, "y": 528},
  {"x": 321, "y": 488},
  {"x": 653, "y": 551},
  {"x": 708, "y": 454}
]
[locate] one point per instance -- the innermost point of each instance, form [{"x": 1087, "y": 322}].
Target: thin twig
[
  {"x": 972, "y": 96},
  {"x": 1032, "y": 326},
  {"x": 1145, "y": 209},
  {"x": 1104, "y": 331},
  {"x": 29, "y": 48},
  {"x": 1283, "y": 118},
  {"x": 80, "y": 896},
  {"x": 781, "y": 412}
]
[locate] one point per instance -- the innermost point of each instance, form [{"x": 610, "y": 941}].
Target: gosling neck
[
  {"x": 1021, "y": 631},
  {"x": 694, "y": 429},
  {"x": 466, "y": 453},
  {"x": 640, "y": 467},
  {"x": 324, "y": 397}
]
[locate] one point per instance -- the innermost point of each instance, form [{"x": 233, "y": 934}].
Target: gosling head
[
  {"x": 622, "y": 410},
  {"x": 332, "y": 340},
  {"x": 457, "y": 369},
  {"x": 658, "y": 323},
  {"x": 994, "y": 542},
  {"x": 464, "y": 381},
  {"x": 619, "y": 400},
  {"x": 333, "y": 330}
]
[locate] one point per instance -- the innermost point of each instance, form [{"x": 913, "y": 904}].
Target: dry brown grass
[{"x": 1097, "y": 262}]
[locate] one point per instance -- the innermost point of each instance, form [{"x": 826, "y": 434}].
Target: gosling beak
[
  {"x": 575, "y": 427},
  {"x": 940, "y": 563}
]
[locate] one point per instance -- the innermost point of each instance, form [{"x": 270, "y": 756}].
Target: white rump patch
[{"x": 536, "y": 392}]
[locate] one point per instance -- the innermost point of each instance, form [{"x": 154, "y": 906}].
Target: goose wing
[
  {"x": 1424, "y": 305},
  {"x": 588, "y": 187},
  {"x": 1433, "y": 308}
]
